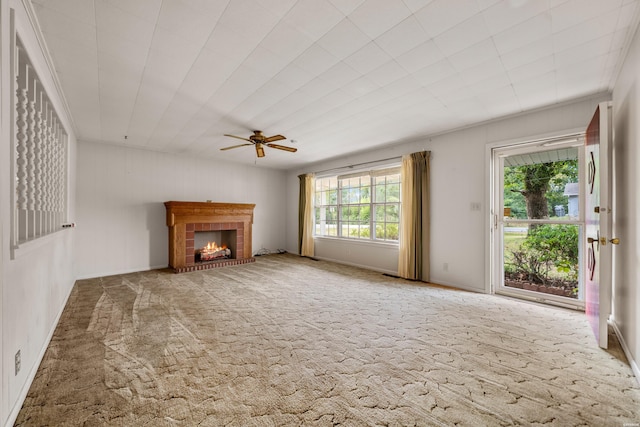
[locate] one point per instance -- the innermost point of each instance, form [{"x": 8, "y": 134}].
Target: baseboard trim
[
  {"x": 13, "y": 415},
  {"x": 126, "y": 271},
  {"x": 634, "y": 366},
  {"x": 352, "y": 264}
]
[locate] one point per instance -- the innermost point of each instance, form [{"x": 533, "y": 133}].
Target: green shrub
[{"x": 547, "y": 246}]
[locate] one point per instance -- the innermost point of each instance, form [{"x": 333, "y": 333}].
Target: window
[
  {"x": 39, "y": 158},
  {"x": 364, "y": 205}
]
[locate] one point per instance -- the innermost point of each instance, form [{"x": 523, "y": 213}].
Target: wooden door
[{"x": 598, "y": 222}]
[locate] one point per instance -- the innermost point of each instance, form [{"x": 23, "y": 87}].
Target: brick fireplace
[{"x": 185, "y": 219}]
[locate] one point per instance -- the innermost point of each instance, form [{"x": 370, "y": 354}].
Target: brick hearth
[{"x": 186, "y": 218}]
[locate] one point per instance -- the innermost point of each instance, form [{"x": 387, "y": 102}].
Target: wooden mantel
[{"x": 184, "y": 218}]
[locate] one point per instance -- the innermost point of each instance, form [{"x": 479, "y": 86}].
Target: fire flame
[{"x": 213, "y": 246}]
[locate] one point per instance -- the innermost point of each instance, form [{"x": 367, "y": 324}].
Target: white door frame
[{"x": 493, "y": 233}]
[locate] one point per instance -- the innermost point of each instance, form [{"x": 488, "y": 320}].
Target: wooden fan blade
[
  {"x": 234, "y": 146},
  {"x": 239, "y": 137},
  {"x": 259, "y": 150},
  {"x": 274, "y": 138},
  {"x": 282, "y": 147}
]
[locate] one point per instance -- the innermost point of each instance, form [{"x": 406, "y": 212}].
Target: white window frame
[{"x": 320, "y": 199}]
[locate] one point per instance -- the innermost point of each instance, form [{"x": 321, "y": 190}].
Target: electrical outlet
[
  {"x": 17, "y": 362},
  {"x": 475, "y": 206},
  {"x": 445, "y": 266}
]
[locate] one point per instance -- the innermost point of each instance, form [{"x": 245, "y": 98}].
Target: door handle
[{"x": 615, "y": 241}]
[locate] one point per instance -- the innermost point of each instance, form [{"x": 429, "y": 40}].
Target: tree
[{"x": 534, "y": 181}]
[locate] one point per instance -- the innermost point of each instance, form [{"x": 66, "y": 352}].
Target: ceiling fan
[{"x": 259, "y": 140}]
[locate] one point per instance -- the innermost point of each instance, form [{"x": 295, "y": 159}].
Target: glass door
[{"x": 538, "y": 226}]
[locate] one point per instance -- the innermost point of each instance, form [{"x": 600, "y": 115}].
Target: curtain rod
[{"x": 358, "y": 164}]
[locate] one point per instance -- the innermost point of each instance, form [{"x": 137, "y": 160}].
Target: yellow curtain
[
  {"x": 305, "y": 216},
  {"x": 413, "y": 257}
]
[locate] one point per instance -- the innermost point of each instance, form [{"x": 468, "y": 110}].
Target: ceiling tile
[
  {"x": 208, "y": 72},
  {"x": 286, "y": 41},
  {"x": 527, "y": 54},
  {"x": 462, "y": 36},
  {"x": 360, "y": 87},
  {"x": 294, "y": 76},
  {"x": 526, "y": 33},
  {"x": 421, "y": 56},
  {"x": 628, "y": 13},
  {"x": 584, "y": 32},
  {"x": 434, "y": 72},
  {"x": 584, "y": 51},
  {"x": 346, "y": 6},
  {"x": 416, "y": 5},
  {"x": 439, "y": 15},
  {"x": 79, "y": 10},
  {"x": 487, "y": 86},
  {"x": 266, "y": 61},
  {"x": 242, "y": 16},
  {"x": 506, "y": 14},
  {"x": 219, "y": 43},
  {"x": 539, "y": 67},
  {"x": 485, "y": 70},
  {"x": 242, "y": 83},
  {"x": 368, "y": 58},
  {"x": 123, "y": 52},
  {"x": 317, "y": 88},
  {"x": 387, "y": 73},
  {"x": 313, "y": 17},
  {"x": 73, "y": 32},
  {"x": 474, "y": 55},
  {"x": 140, "y": 9},
  {"x": 403, "y": 86},
  {"x": 375, "y": 17},
  {"x": 174, "y": 119},
  {"x": 485, "y": 4},
  {"x": 278, "y": 8},
  {"x": 343, "y": 39},
  {"x": 116, "y": 21},
  {"x": 575, "y": 12},
  {"x": 316, "y": 60},
  {"x": 191, "y": 23},
  {"x": 340, "y": 74},
  {"x": 403, "y": 37},
  {"x": 450, "y": 83}
]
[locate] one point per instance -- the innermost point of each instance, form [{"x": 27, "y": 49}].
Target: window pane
[
  {"x": 345, "y": 212},
  {"x": 344, "y": 207},
  {"x": 365, "y": 194},
  {"x": 380, "y": 193},
  {"x": 395, "y": 178},
  {"x": 354, "y": 195},
  {"x": 542, "y": 257},
  {"x": 392, "y": 213},
  {"x": 392, "y": 232},
  {"x": 536, "y": 188},
  {"x": 393, "y": 193}
]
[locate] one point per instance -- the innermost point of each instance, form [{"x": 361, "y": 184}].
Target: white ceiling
[{"x": 335, "y": 76}]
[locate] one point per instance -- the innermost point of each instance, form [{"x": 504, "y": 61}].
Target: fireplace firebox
[{"x": 192, "y": 223}]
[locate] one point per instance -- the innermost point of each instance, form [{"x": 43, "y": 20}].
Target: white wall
[
  {"x": 626, "y": 117},
  {"x": 121, "y": 225},
  {"x": 458, "y": 179},
  {"x": 35, "y": 284}
]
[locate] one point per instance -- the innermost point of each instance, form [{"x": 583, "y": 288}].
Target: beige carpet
[{"x": 291, "y": 341}]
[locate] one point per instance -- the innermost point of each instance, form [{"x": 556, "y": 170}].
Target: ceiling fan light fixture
[{"x": 259, "y": 140}]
